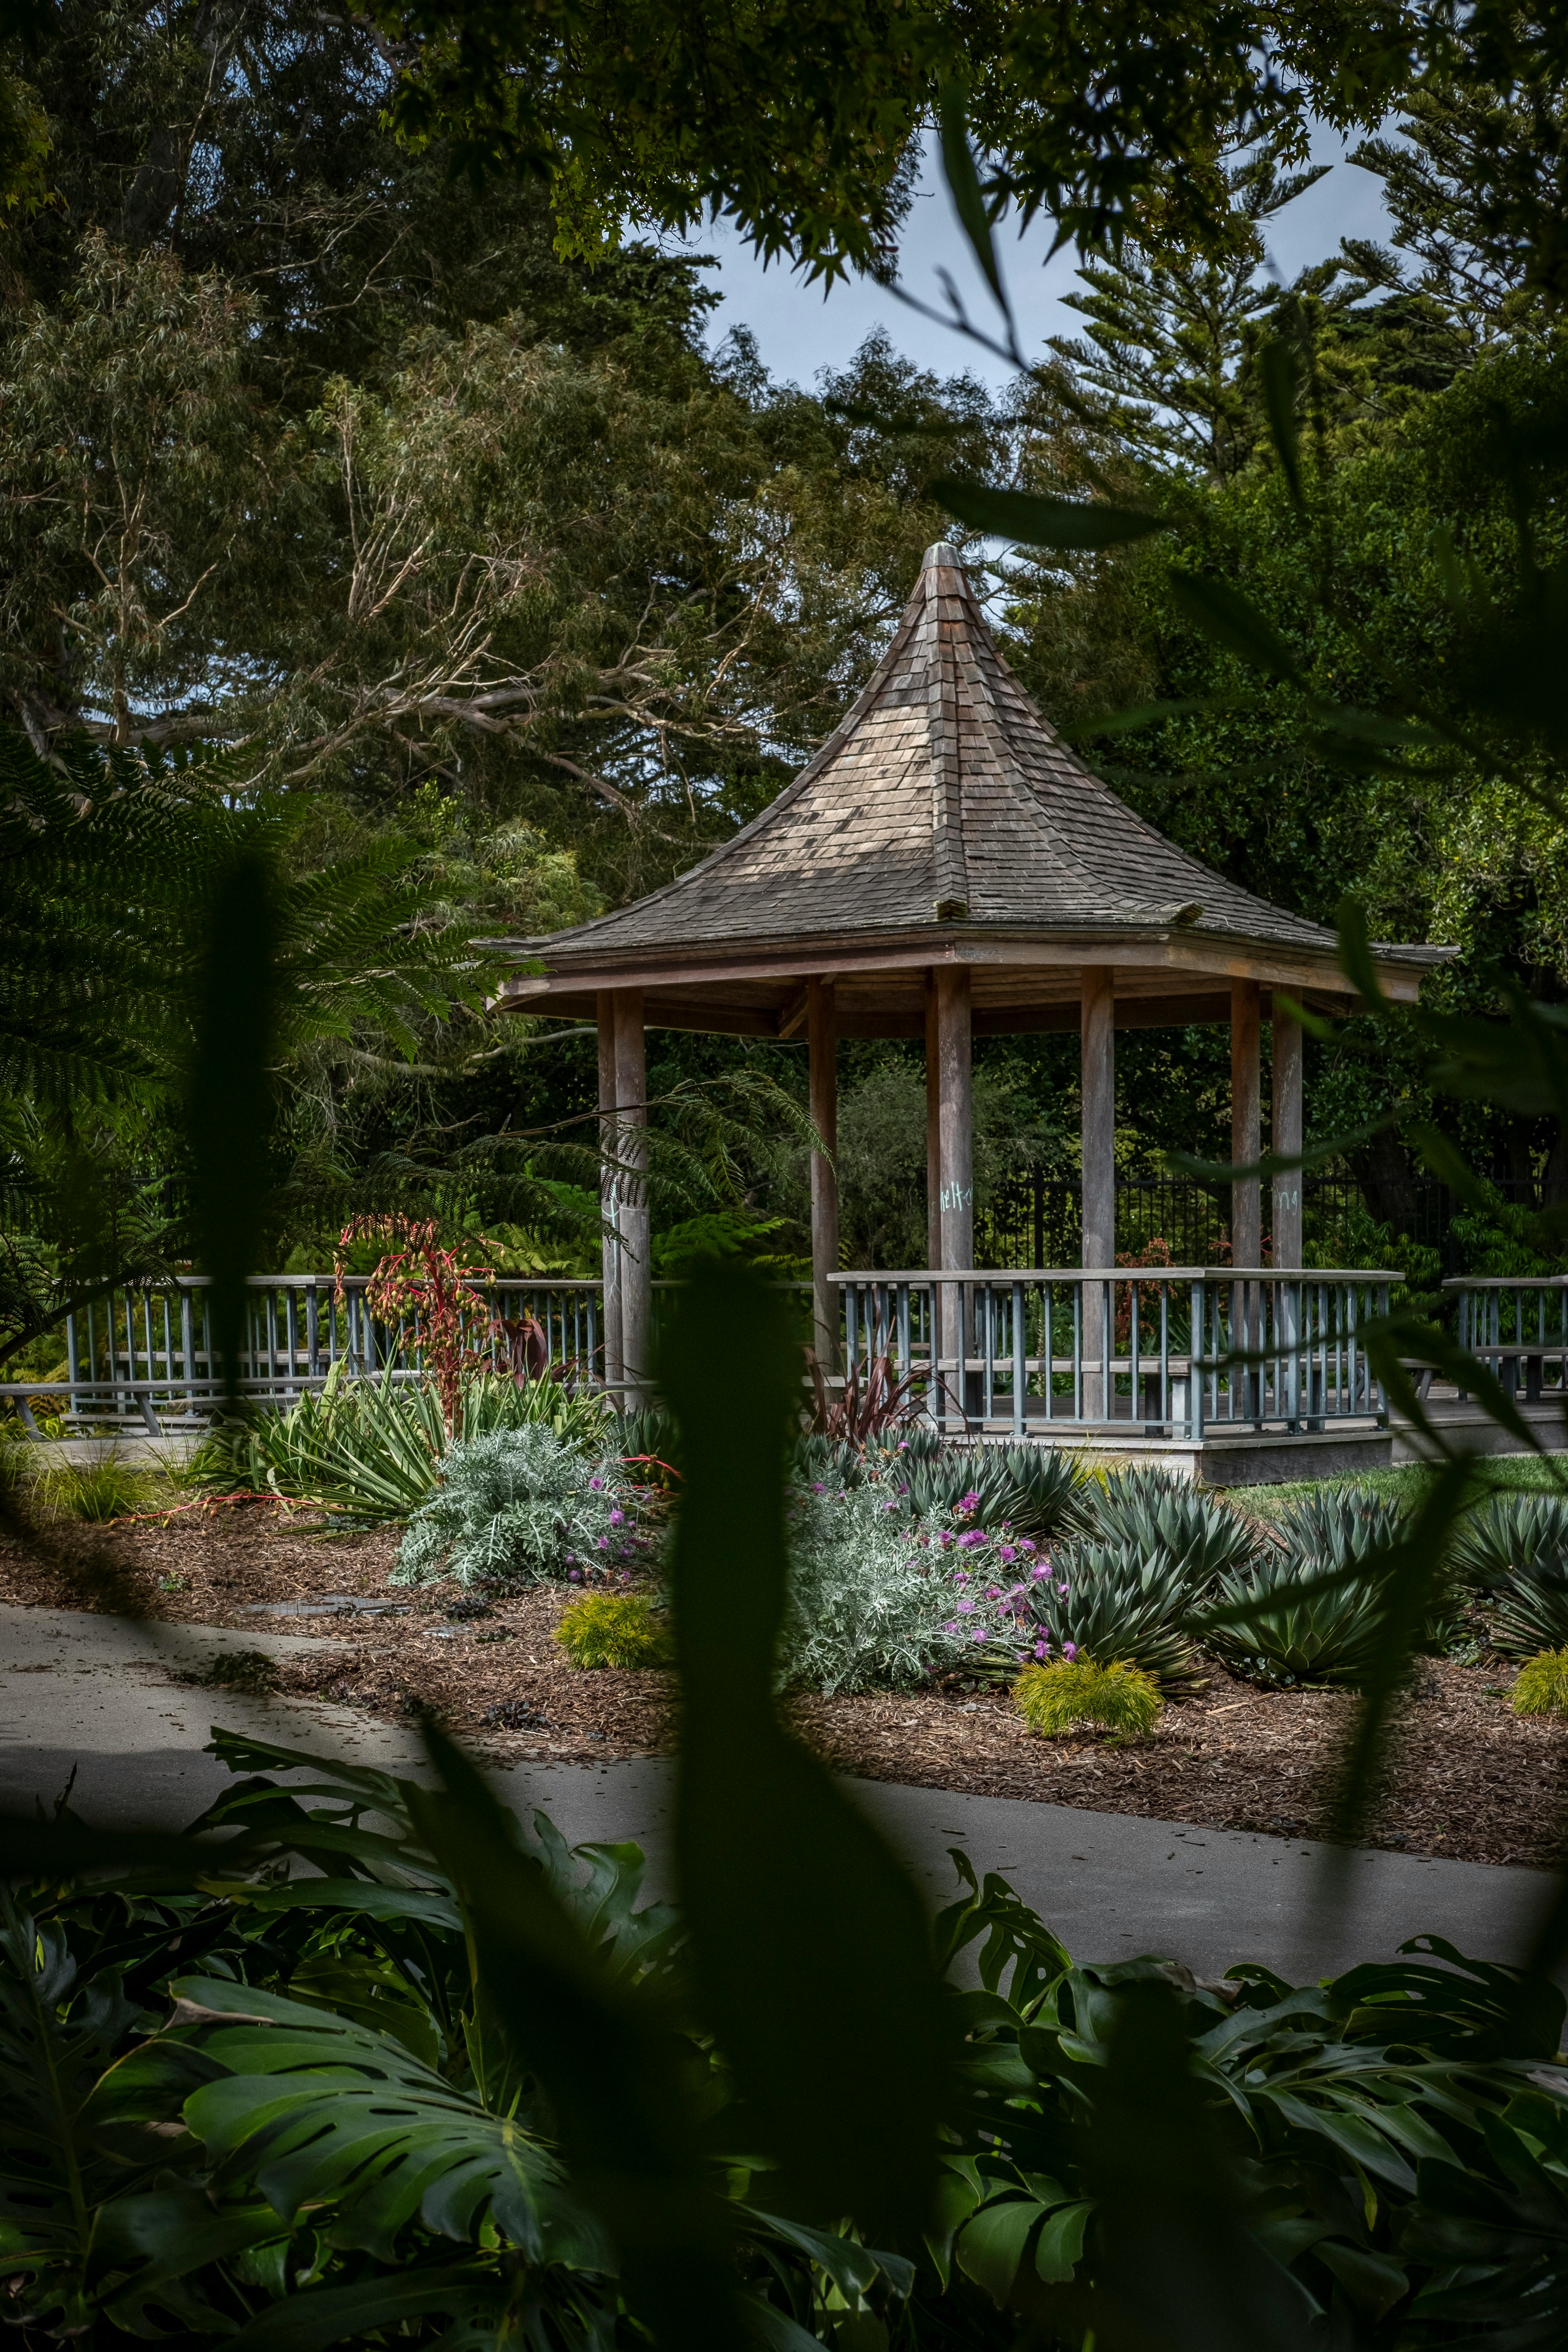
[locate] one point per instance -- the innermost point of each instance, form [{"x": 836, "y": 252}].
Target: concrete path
[{"x": 101, "y": 1695}]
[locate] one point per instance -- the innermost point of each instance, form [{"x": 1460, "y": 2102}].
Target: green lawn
[{"x": 1405, "y": 1485}]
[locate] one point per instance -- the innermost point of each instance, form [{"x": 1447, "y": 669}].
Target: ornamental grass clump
[
  {"x": 522, "y": 1505},
  {"x": 96, "y": 1491},
  {"x": 1542, "y": 1688},
  {"x": 614, "y": 1629},
  {"x": 1118, "y": 1697}
]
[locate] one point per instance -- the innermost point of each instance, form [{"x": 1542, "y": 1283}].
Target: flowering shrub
[
  {"x": 520, "y": 1506},
  {"x": 879, "y": 1598}
]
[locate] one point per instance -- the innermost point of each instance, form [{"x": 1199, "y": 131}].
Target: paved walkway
[{"x": 101, "y": 1695}]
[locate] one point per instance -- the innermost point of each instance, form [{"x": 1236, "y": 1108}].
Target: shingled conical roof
[{"x": 943, "y": 820}]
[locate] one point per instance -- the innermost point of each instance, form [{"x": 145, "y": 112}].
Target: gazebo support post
[
  {"x": 934, "y": 1130},
  {"x": 1246, "y": 1192},
  {"x": 1246, "y": 1123},
  {"x": 822, "y": 1046},
  {"x": 955, "y": 1129},
  {"x": 1097, "y": 1090},
  {"x": 1286, "y": 1087},
  {"x": 609, "y": 1191},
  {"x": 637, "y": 1273}
]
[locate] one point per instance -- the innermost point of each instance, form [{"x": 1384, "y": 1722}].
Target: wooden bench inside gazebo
[{"x": 947, "y": 867}]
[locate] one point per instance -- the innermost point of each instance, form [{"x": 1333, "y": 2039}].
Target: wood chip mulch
[{"x": 1469, "y": 1780}]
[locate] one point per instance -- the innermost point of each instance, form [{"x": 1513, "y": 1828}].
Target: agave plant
[
  {"x": 369, "y": 1450},
  {"x": 821, "y": 1461},
  {"x": 955, "y": 1479},
  {"x": 1335, "y": 1526},
  {"x": 1287, "y": 1636},
  {"x": 1154, "y": 1512},
  {"x": 1106, "y": 1601},
  {"x": 1530, "y": 1610},
  {"x": 1511, "y": 1535},
  {"x": 1046, "y": 1482}
]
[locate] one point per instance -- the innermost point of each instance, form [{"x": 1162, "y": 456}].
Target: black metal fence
[{"x": 1038, "y": 1220}]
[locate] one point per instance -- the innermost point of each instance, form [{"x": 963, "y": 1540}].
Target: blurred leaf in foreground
[{"x": 811, "y": 1952}]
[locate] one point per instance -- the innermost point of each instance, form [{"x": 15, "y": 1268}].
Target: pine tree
[
  {"x": 1478, "y": 179},
  {"x": 1169, "y": 331}
]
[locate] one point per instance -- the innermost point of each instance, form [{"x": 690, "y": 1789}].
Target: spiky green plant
[
  {"x": 940, "y": 1482},
  {"x": 368, "y": 1451},
  {"x": 1336, "y": 1526},
  {"x": 1511, "y": 1535},
  {"x": 1117, "y": 1697},
  {"x": 1153, "y": 1511},
  {"x": 1530, "y": 1612},
  {"x": 98, "y": 1491},
  {"x": 614, "y": 1629},
  {"x": 822, "y": 1461},
  {"x": 1120, "y": 1602},
  {"x": 1045, "y": 1481},
  {"x": 1542, "y": 1685},
  {"x": 1286, "y": 1637}
]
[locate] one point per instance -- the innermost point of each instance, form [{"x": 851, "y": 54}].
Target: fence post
[{"x": 1195, "y": 1376}]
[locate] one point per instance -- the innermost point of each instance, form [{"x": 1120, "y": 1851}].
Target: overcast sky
[{"x": 799, "y": 330}]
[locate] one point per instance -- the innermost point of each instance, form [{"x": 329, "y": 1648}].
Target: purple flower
[
  {"x": 618, "y": 1518},
  {"x": 980, "y": 1635},
  {"x": 1070, "y": 1650},
  {"x": 966, "y": 1608},
  {"x": 961, "y": 1576},
  {"x": 993, "y": 1592},
  {"x": 602, "y": 1543},
  {"x": 950, "y": 1629},
  {"x": 1042, "y": 1649},
  {"x": 574, "y": 1576},
  {"x": 596, "y": 1484},
  {"x": 1008, "y": 1553},
  {"x": 1037, "y": 1574},
  {"x": 944, "y": 1537},
  {"x": 970, "y": 1538},
  {"x": 1026, "y": 1543}
]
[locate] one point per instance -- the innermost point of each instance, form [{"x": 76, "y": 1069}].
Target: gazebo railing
[
  {"x": 1176, "y": 1353},
  {"x": 145, "y": 1355},
  {"x": 1518, "y": 1327},
  {"x": 1173, "y": 1350}
]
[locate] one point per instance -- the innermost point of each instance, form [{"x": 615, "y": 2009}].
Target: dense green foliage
[
  {"x": 288, "y": 2105},
  {"x": 438, "y": 510}
]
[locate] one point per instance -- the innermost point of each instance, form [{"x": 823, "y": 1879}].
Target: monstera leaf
[{"x": 317, "y": 2109}]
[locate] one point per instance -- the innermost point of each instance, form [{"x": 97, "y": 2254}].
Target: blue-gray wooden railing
[
  {"x": 145, "y": 1356},
  {"x": 1518, "y": 1327},
  {"x": 1174, "y": 1352}
]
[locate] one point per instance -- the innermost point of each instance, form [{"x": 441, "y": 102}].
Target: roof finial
[{"x": 942, "y": 551}]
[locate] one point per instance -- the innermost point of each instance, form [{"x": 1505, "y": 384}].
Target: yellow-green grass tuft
[
  {"x": 1542, "y": 1685},
  {"x": 614, "y": 1629},
  {"x": 102, "y": 1490},
  {"x": 1118, "y": 1697}
]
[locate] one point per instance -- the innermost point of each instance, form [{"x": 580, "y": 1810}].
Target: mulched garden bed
[{"x": 1471, "y": 1781}]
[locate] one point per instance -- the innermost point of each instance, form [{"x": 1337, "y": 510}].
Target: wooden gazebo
[{"x": 946, "y": 866}]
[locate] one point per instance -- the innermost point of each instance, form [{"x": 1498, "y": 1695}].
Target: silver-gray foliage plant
[
  {"x": 520, "y": 1506},
  {"x": 872, "y": 1601}
]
